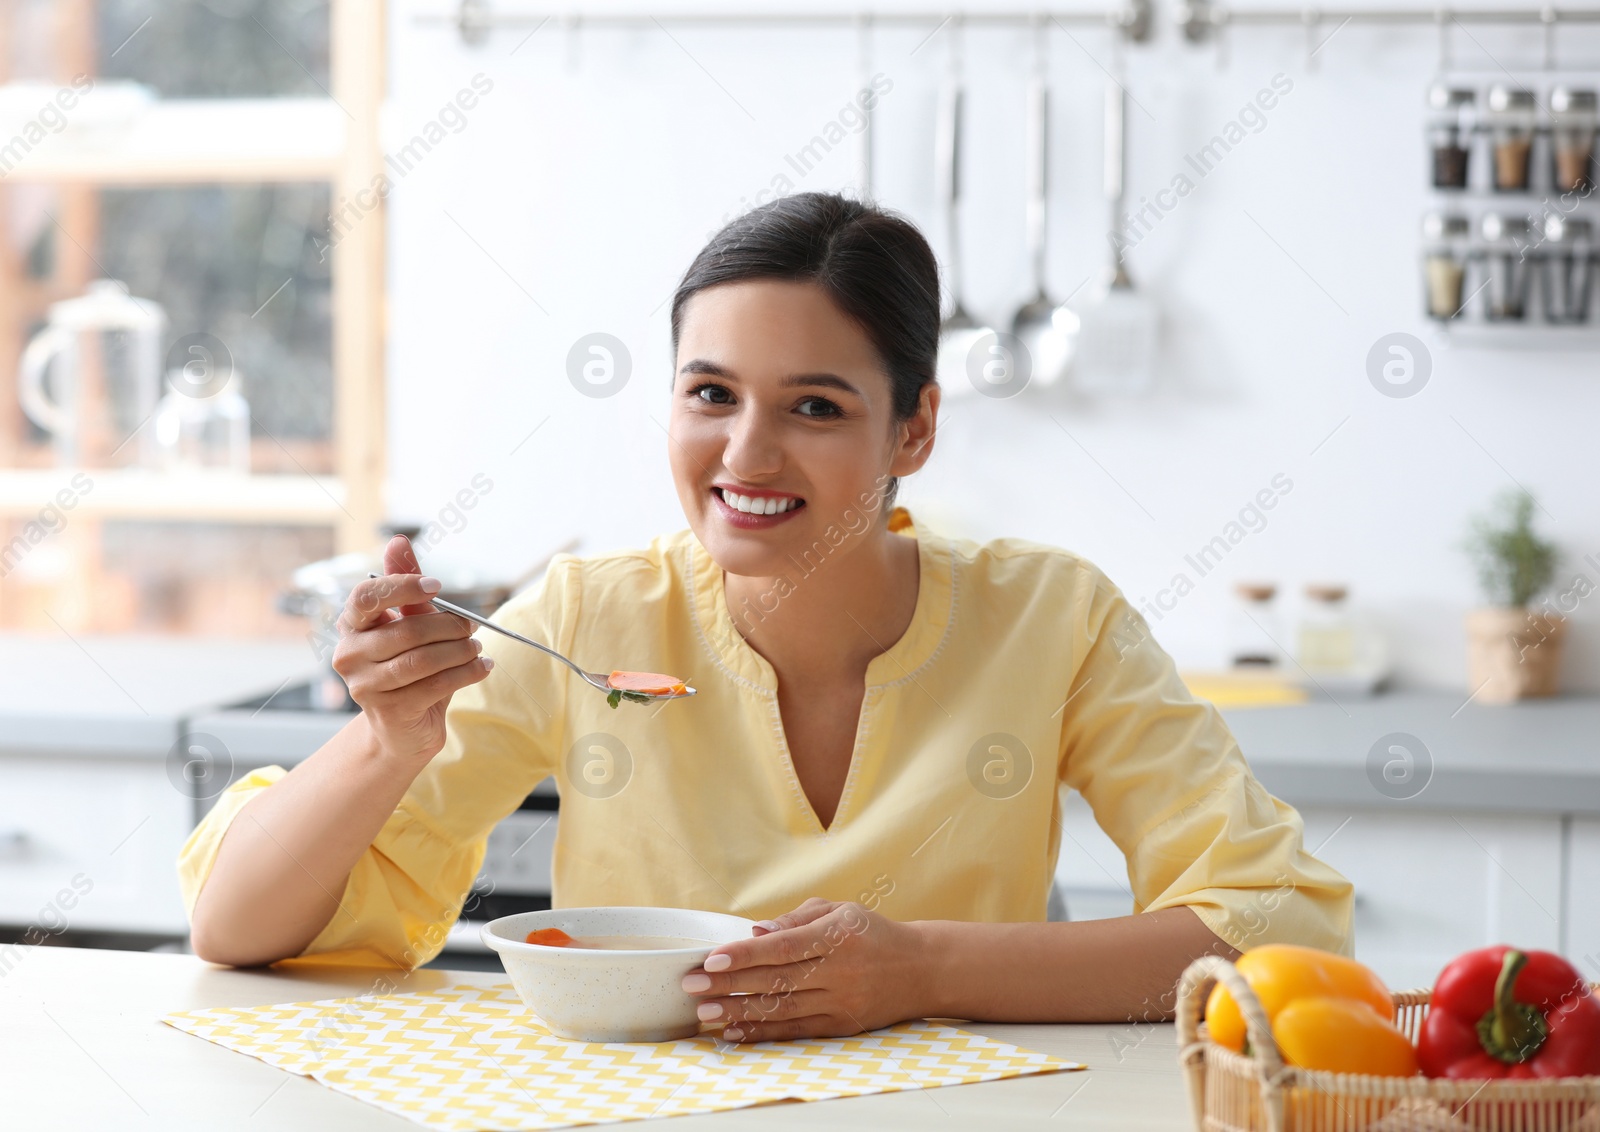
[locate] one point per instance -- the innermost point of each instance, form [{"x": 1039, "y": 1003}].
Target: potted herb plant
[{"x": 1513, "y": 650}]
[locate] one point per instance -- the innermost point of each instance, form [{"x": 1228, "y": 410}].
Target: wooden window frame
[{"x": 248, "y": 141}]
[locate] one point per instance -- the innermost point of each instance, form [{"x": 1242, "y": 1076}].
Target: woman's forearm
[
  {"x": 1117, "y": 970},
  {"x": 283, "y": 863}
]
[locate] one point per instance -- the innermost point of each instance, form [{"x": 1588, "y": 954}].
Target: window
[{"x": 189, "y": 150}]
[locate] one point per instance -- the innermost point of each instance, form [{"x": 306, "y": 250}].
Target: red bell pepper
[{"x": 1500, "y": 1012}]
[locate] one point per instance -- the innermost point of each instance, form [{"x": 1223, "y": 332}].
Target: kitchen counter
[
  {"x": 129, "y": 693},
  {"x": 83, "y": 1047},
  {"x": 1533, "y": 757},
  {"x": 97, "y": 789},
  {"x": 110, "y": 694}
]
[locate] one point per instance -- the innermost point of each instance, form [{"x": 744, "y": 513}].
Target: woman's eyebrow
[{"x": 828, "y": 380}]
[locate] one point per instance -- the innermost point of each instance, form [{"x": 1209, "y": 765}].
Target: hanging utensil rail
[
  {"x": 1201, "y": 19},
  {"x": 474, "y": 19}
]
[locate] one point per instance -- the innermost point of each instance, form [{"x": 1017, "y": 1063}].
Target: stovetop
[{"x": 293, "y": 697}]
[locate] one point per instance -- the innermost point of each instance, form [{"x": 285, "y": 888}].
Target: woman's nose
[{"x": 753, "y": 449}]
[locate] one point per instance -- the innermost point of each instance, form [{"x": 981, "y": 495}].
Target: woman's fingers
[
  {"x": 817, "y": 933},
  {"x": 399, "y": 558},
  {"x": 774, "y": 979},
  {"x": 371, "y": 599},
  {"x": 826, "y": 976},
  {"x": 385, "y": 642},
  {"x": 400, "y": 666},
  {"x": 789, "y": 946},
  {"x": 415, "y": 665},
  {"x": 776, "y": 940},
  {"x": 432, "y": 689},
  {"x": 814, "y": 908},
  {"x": 772, "y": 1006},
  {"x": 366, "y": 659}
]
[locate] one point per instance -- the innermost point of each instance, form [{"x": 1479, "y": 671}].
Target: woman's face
[{"x": 780, "y": 397}]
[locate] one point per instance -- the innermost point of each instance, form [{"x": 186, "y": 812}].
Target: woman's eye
[
  {"x": 716, "y": 393},
  {"x": 818, "y": 407}
]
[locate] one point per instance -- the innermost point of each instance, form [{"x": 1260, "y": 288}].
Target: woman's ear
[{"x": 917, "y": 433}]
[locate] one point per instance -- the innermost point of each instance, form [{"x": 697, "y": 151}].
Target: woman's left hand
[{"x": 828, "y": 969}]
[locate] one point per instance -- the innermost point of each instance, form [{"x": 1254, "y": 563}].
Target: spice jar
[
  {"x": 1450, "y": 134},
  {"x": 1444, "y": 262},
  {"x": 1327, "y": 633},
  {"x": 1568, "y": 259},
  {"x": 1254, "y": 626},
  {"x": 1511, "y": 122},
  {"x": 1574, "y": 116},
  {"x": 1507, "y": 261}
]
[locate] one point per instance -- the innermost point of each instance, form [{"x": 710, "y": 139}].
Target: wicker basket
[{"x": 1232, "y": 1092}]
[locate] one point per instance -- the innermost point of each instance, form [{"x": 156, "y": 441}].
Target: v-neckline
[{"x": 930, "y": 620}]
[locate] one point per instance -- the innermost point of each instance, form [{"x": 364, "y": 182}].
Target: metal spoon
[
  {"x": 959, "y": 333},
  {"x": 1048, "y": 329},
  {"x": 594, "y": 678}
]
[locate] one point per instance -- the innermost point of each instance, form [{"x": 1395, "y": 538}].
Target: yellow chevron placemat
[{"x": 475, "y": 1059}]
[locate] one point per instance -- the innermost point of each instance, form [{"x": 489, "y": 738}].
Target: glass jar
[
  {"x": 1574, "y": 117},
  {"x": 1507, "y": 266},
  {"x": 209, "y": 431},
  {"x": 1327, "y": 633},
  {"x": 1450, "y": 133},
  {"x": 1568, "y": 260},
  {"x": 1511, "y": 121},
  {"x": 1253, "y": 627},
  {"x": 1444, "y": 262}
]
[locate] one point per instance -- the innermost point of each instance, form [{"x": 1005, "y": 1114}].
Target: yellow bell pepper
[
  {"x": 1280, "y": 973},
  {"x": 1342, "y": 1035}
]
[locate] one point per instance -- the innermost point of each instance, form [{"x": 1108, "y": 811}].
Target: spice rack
[{"x": 1509, "y": 251}]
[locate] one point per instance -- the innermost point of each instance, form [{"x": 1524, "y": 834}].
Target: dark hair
[{"x": 873, "y": 264}]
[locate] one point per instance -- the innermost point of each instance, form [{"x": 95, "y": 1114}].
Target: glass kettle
[{"x": 92, "y": 376}]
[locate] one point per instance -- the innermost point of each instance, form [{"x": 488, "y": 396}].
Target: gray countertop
[
  {"x": 1538, "y": 756},
  {"x": 128, "y": 694}
]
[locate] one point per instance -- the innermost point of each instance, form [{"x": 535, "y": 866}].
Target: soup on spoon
[{"x": 642, "y": 687}]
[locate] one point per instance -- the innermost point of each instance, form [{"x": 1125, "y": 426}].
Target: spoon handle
[{"x": 450, "y": 607}]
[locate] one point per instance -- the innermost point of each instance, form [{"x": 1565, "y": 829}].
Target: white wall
[{"x": 601, "y": 160}]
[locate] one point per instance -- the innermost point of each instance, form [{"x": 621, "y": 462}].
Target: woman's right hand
[{"x": 402, "y": 659}]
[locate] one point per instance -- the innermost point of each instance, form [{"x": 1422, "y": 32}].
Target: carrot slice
[
  {"x": 550, "y": 937},
  {"x": 651, "y": 683}
]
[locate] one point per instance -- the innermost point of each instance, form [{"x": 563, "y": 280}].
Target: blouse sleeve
[
  {"x": 1167, "y": 782},
  {"x": 502, "y": 738}
]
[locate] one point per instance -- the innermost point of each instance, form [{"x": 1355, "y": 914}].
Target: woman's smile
[{"x": 754, "y": 509}]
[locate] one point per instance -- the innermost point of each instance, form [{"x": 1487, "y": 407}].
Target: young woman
[{"x": 886, "y": 718}]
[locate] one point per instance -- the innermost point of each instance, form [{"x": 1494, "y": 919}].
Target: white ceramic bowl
[{"x": 611, "y": 996}]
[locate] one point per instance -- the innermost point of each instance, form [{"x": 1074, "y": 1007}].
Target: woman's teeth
[{"x": 765, "y": 505}]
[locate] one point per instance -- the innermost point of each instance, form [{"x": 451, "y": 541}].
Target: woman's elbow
[
  {"x": 215, "y": 944},
  {"x": 213, "y": 947},
  {"x": 218, "y": 938}
]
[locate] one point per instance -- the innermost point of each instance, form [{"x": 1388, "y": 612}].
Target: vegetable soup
[{"x": 555, "y": 937}]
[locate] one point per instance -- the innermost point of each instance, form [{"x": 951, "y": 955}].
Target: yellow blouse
[{"x": 1024, "y": 672}]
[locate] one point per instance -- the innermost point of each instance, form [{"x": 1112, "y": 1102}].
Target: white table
[{"x": 82, "y": 1046}]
